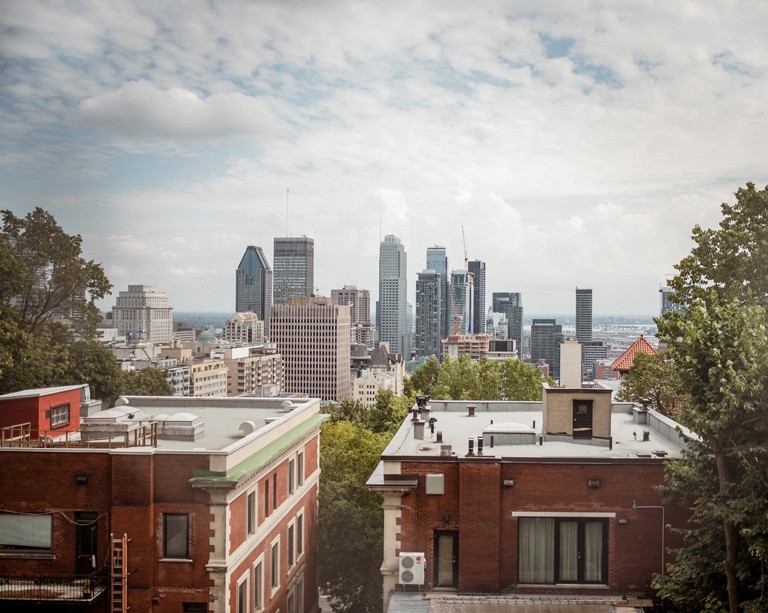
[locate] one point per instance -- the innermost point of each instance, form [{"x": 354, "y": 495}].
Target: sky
[{"x": 575, "y": 143}]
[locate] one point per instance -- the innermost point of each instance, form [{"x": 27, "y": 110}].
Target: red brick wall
[
  {"x": 21, "y": 410},
  {"x": 238, "y": 521},
  {"x": 480, "y": 509}
]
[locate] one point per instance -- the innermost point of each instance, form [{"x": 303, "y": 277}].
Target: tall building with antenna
[
  {"x": 392, "y": 312},
  {"x": 294, "y": 268}
]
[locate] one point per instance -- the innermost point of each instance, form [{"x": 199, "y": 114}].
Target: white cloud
[
  {"x": 128, "y": 245},
  {"x": 140, "y": 109},
  {"x": 191, "y": 271}
]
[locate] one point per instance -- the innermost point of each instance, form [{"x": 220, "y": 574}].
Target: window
[
  {"x": 25, "y": 533},
  {"x": 242, "y": 596},
  {"x": 562, "y": 550},
  {"x": 275, "y": 566},
  {"x": 258, "y": 585},
  {"x": 300, "y": 468},
  {"x": 291, "y": 542},
  {"x": 251, "y": 513},
  {"x": 60, "y": 415},
  {"x": 274, "y": 491},
  {"x": 291, "y": 475},
  {"x": 299, "y": 534},
  {"x": 176, "y": 536},
  {"x": 266, "y": 497}
]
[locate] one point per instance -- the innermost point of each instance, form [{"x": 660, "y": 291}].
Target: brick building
[
  {"x": 217, "y": 499},
  {"x": 530, "y": 498},
  {"x": 50, "y": 411}
]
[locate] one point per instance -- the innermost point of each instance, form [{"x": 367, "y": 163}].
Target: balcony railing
[{"x": 61, "y": 588}]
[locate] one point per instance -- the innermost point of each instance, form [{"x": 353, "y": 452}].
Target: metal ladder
[{"x": 119, "y": 574}]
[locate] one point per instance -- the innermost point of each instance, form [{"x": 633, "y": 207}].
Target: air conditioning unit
[{"x": 412, "y": 567}]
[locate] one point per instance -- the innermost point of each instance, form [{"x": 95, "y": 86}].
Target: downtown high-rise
[
  {"x": 429, "y": 302},
  {"x": 511, "y": 305},
  {"x": 583, "y": 315},
  {"x": 546, "y": 338},
  {"x": 438, "y": 261},
  {"x": 253, "y": 285},
  {"x": 294, "y": 266},
  {"x": 462, "y": 302},
  {"x": 392, "y": 311},
  {"x": 477, "y": 270}
]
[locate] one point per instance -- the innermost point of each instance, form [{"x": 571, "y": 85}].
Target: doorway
[{"x": 446, "y": 558}]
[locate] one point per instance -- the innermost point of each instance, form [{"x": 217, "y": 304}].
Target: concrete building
[
  {"x": 359, "y": 301},
  {"x": 245, "y": 328},
  {"x": 511, "y": 305},
  {"x": 477, "y": 269},
  {"x": 438, "y": 261},
  {"x": 392, "y": 311},
  {"x": 429, "y": 314},
  {"x": 254, "y": 369},
  {"x": 143, "y": 314},
  {"x": 583, "y": 315},
  {"x": 294, "y": 263},
  {"x": 253, "y": 284},
  {"x": 197, "y": 505},
  {"x": 473, "y": 345},
  {"x": 207, "y": 378},
  {"x": 546, "y": 336},
  {"x": 313, "y": 336},
  {"x": 667, "y": 295},
  {"x": 555, "y": 498}
]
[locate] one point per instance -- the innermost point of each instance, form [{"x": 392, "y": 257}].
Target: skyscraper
[
  {"x": 294, "y": 263},
  {"x": 313, "y": 336},
  {"x": 546, "y": 336},
  {"x": 583, "y": 315},
  {"x": 392, "y": 313},
  {"x": 438, "y": 261},
  {"x": 143, "y": 314},
  {"x": 462, "y": 302},
  {"x": 477, "y": 268},
  {"x": 359, "y": 301},
  {"x": 428, "y": 314},
  {"x": 511, "y": 304},
  {"x": 253, "y": 285}
]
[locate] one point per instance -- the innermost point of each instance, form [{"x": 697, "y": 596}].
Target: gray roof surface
[
  {"x": 41, "y": 391},
  {"x": 457, "y": 428}
]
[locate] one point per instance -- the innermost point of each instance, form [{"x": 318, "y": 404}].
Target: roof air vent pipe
[
  {"x": 471, "y": 410},
  {"x": 479, "y": 445},
  {"x": 471, "y": 451},
  {"x": 438, "y": 437}
]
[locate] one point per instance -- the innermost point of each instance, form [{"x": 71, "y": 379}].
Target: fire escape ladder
[{"x": 119, "y": 574}]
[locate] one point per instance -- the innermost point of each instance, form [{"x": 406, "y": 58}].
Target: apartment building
[{"x": 166, "y": 505}]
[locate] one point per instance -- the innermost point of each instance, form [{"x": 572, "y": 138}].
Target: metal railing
[
  {"x": 22, "y": 435},
  {"x": 81, "y": 588}
]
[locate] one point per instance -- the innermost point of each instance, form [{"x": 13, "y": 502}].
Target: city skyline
[{"x": 576, "y": 145}]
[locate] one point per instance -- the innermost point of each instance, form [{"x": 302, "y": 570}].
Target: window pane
[
  {"x": 258, "y": 583},
  {"x": 593, "y": 551},
  {"x": 251, "y": 512},
  {"x": 291, "y": 470},
  {"x": 275, "y": 565},
  {"x": 242, "y": 597},
  {"x": 299, "y": 535},
  {"x": 176, "y": 537},
  {"x": 300, "y": 463},
  {"x": 25, "y": 531},
  {"x": 536, "y": 550},
  {"x": 290, "y": 546},
  {"x": 569, "y": 555}
]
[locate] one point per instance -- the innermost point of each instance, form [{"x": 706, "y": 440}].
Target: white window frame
[
  {"x": 290, "y": 545},
  {"x": 299, "y": 537},
  {"x": 243, "y": 589},
  {"x": 274, "y": 567},
  {"x": 60, "y": 415},
  {"x": 291, "y": 476},
  {"x": 300, "y": 456},
  {"x": 251, "y": 512},
  {"x": 258, "y": 598}
]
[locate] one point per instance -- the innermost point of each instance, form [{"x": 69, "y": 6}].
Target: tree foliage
[
  {"x": 350, "y": 531},
  {"x": 484, "y": 379},
  {"x": 145, "y": 382},
  {"x": 47, "y": 309},
  {"x": 719, "y": 346},
  {"x": 656, "y": 378},
  {"x": 45, "y": 274}
]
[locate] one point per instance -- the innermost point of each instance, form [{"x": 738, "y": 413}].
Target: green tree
[
  {"x": 654, "y": 377},
  {"x": 721, "y": 352},
  {"x": 424, "y": 379},
  {"x": 47, "y": 275},
  {"x": 145, "y": 382},
  {"x": 718, "y": 344},
  {"x": 350, "y": 524},
  {"x": 520, "y": 381}
]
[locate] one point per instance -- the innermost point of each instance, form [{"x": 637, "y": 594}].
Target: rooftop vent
[
  {"x": 510, "y": 433},
  {"x": 181, "y": 427},
  {"x": 247, "y": 427}
]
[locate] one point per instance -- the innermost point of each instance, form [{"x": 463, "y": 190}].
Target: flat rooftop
[{"x": 665, "y": 438}]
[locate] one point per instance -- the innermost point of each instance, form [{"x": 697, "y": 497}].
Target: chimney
[
  {"x": 418, "y": 430},
  {"x": 471, "y": 410},
  {"x": 471, "y": 450},
  {"x": 479, "y": 445}
]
